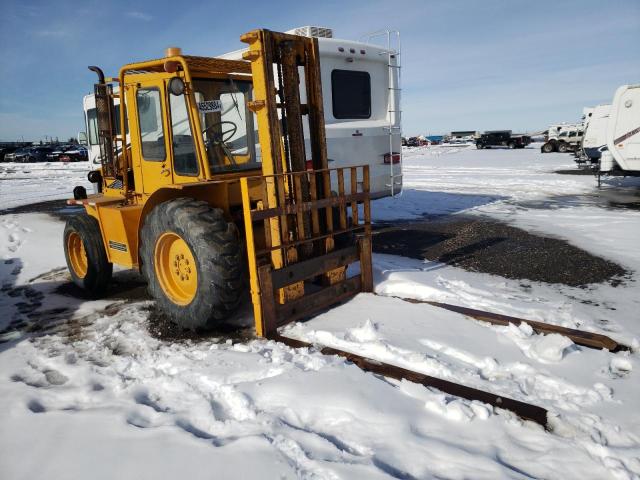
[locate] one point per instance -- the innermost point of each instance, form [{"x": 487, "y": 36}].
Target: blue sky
[{"x": 487, "y": 64}]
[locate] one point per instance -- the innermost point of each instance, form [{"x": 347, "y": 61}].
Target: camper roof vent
[{"x": 310, "y": 31}]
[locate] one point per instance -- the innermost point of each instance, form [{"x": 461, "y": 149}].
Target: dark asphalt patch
[
  {"x": 56, "y": 208},
  {"x": 575, "y": 171},
  {"x": 486, "y": 246}
]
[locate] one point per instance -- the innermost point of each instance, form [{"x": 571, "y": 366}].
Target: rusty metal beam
[
  {"x": 523, "y": 410},
  {"x": 579, "y": 337}
]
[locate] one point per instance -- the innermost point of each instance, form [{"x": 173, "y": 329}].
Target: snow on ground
[
  {"x": 26, "y": 183},
  {"x": 91, "y": 393}
]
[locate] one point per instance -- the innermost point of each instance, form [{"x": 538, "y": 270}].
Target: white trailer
[
  {"x": 595, "y": 134},
  {"x": 623, "y": 133}
]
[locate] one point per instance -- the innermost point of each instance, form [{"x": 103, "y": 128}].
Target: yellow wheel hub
[
  {"x": 175, "y": 268},
  {"x": 77, "y": 254}
]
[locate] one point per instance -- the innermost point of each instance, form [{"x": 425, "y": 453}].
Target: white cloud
[{"x": 145, "y": 17}]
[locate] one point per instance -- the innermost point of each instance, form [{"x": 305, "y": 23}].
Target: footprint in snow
[
  {"x": 36, "y": 406},
  {"x": 620, "y": 367}
]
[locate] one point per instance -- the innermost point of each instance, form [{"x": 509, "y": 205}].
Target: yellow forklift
[{"x": 205, "y": 176}]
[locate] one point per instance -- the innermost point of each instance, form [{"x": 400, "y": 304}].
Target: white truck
[
  {"x": 361, "y": 94},
  {"x": 622, "y": 156},
  {"x": 563, "y": 138}
]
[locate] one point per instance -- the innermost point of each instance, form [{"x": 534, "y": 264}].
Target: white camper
[
  {"x": 623, "y": 133},
  {"x": 91, "y": 125},
  {"x": 595, "y": 134},
  {"x": 361, "y": 94}
]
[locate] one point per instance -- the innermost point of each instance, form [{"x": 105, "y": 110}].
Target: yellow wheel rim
[
  {"x": 77, "y": 254},
  {"x": 175, "y": 268}
]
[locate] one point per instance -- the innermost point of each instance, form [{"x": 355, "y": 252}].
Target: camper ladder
[{"x": 394, "y": 113}]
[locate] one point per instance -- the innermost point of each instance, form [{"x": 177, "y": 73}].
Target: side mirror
[
  {"x": 176, "y": 86},
  {"x": 82, "y": 138}
]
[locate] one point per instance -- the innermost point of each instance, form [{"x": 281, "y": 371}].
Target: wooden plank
[
  {"x": 300, "y": 220},
  {"x": 326, "y": 180},
  {"x": 319, "y": 237},
  {"x": 315, "y": 266},
  {"x": 341, "y": 194},
  {"x": 354, "y": 190},
  {"x": 525, "y": 411},
  {"x": 367, "y": 202},
  {"x": 293, "y": 209},
  {"x": 269, "y": 324},
  {"x": 366, "y": 269},
  {"x": 317, "y": 301},
  {"x": 315, "y": 220},
  {"x": 270, "y": 223},
  {"x": 281, "y": 201}
]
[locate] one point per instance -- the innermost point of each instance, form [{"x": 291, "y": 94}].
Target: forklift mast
[{"x": 295, "y": 270}]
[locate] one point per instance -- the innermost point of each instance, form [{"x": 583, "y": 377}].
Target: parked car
[
  {"x": 17, "y": 155},
  {"x": 502, "y": 138},
  {"x": 66, "y": 153},
  {"x": 77, "y": 153},
  {"x": 34, "y": 154}
]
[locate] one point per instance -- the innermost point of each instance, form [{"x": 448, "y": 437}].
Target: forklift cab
[{"x": 183, "y": 132}]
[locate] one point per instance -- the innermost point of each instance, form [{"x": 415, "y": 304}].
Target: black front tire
[
  {"x": 99, "y": 269},
  {"x": 217, "y": 251}
]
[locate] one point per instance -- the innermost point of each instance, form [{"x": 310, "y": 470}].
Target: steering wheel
[{"x": 225, "y": 135}]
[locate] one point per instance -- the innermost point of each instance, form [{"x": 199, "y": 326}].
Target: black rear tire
[
  {"x": 563, "y": 147},
  {"x": 217, "y": 251},
  {"x": 99, "y": 269},
  {"x": 548, "y": 147}
]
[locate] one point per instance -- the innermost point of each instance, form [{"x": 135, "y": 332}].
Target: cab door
[{"x": 149, "y": 135}]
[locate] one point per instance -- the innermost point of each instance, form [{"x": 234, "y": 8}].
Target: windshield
[{"x": 228, "y": 126}]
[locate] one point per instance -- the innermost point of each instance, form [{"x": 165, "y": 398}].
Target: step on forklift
[{"x": 189, "y": 196}]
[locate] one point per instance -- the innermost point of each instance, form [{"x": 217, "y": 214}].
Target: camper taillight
[{"x": 391, "y": 158}]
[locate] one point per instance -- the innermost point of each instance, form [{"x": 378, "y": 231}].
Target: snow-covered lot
[{"x": 87, "y": 390}]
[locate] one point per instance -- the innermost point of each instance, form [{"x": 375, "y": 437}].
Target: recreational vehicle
[
  {"x": 361, "y": 92},
  {"x": 623, "y": 133},
  {"x": 595, "y": 137}
]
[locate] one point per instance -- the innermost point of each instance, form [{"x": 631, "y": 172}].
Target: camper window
[
  {"x": 351, "y": 94},
  {"x": 92, "y": 124}
]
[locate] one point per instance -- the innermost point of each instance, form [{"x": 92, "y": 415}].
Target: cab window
[
  {"x": 150, "y": 122},
  {"x": 228, "y": 126},
  {"x": 185, "y": 161}
]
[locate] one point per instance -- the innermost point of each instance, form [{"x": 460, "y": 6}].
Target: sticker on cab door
[{"x": 209, "y": 106}]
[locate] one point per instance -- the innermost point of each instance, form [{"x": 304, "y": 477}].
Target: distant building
[{"x": 463, "y": 134}]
